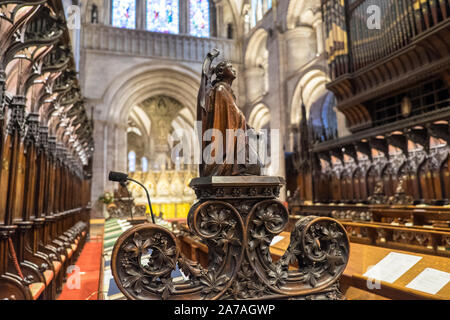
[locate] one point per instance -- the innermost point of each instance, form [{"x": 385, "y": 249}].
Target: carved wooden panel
[
  {"x": 336, "y": 188},
  {"x": 388, "y": 180},
  {"x": 372, "y": 179},
  {"x": 445, "y": 179},
  {"x": 357, "y": 187},
  {"x": 428, "y": 192}
]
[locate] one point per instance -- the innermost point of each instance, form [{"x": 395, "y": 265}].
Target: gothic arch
[
  {"x": 301, "y": 9},
  {"x": 146, "y": 80},
  {"x": 257, "y": 66},
  {"x": 255, "y": 47},
  {"x": 312, "y": 84},
  {"x": 259, "y": 116}
]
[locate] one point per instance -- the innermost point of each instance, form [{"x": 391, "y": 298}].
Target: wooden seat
[
  {"x": 56, "y": 266},
  {"x": 48, "y": 275},
  {"x": 36, "y": 289}
]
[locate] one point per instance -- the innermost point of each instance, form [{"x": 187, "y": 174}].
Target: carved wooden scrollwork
[{"x": 240, "y": 263}]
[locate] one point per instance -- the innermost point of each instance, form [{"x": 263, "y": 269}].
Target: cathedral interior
[{"x": 103, "y": 195}]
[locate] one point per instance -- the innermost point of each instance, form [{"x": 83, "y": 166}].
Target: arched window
[
  {"x": 329, "y": 118},
  {"x": 199, "y": 18},
  {"x": 131, "y": 161},
  {"x": 163, "y": 16},
  {"x": 144, "y": 164},
  {"x": 124, "y": 14},
  {"x": 259, "y": 9},
  {"x": 322, "y": 118}
]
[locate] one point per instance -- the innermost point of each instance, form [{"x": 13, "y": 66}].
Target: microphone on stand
[{"x": 122, "y": 177}]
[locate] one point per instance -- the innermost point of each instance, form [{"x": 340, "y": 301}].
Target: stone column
[
  {"x": 275, "y": 100},
  {"x": 98, "y": 166},
  {"x": 184, "y": 17},
  {"x": 220, "y": 27},
  {"x": 301, "y": 47},
  {"x": 141, "y": 15},
  {"x": 318, "y": 26},
  {"x": 107, "y": 7}
]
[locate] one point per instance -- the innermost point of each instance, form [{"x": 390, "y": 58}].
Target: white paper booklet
[
  {"x": 430, "y": 281},
  {"x": 392, "y": 267},
  {"x": 276, "y": 239}
]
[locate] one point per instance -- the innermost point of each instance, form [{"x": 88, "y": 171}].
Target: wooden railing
[
  {"x": 410, "y": 228},
  {"x": 155, "y": 45}
]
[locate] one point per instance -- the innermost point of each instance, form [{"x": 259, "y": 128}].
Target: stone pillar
[
  {"x": 110, "y": 154},
  {"x": 184, "y": 17},
  {"x": 220, "y": 27},
  {"x": 318, "y": 26},
  {"x": 107, "y": 7},
  {"x": 301, "y": 47},
  {"x": 275, "y": 100},
  {"x": 141, "y": 15},
  {"x": 98, "y": 167},
  {"x": 254, "y": 78}
]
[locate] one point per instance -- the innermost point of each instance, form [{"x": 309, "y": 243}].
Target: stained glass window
[
  {"x": 131, "y": 161},
  {"x": 124, "y": 13},
  {"x": 199, "y": 18},
  {"x": 259, "y": 9},
  {"x": 163, "y": 16}
]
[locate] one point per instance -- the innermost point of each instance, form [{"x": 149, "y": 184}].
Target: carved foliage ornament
[
  {"x": 240, "y": 264},
  {"x": 17, "y": 116}
]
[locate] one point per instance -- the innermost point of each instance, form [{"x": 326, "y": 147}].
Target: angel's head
[{"x": 224, "y": 71}]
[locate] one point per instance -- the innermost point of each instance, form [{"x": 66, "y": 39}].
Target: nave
[{"x": 352, "y": 197}]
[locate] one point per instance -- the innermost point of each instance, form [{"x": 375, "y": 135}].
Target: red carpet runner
[{"x": 83, "y": 282}]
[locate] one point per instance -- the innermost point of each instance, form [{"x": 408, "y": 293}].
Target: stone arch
[
  {"x": 309, "y": 87},
  {"x": 257, "y": 42},
  {"x": 306, "y": 11},
  {"x": 259, "y": 116},
  {"x": 294, "y": 10},
  {"x": 160, "y": 125},
  {"x": 127, "y": 90},
  {"x": 146, "y": 80},
  {"x": 257, "y": 66}
]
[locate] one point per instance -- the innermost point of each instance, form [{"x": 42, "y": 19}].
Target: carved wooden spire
[{"x": 304, "y": 137}]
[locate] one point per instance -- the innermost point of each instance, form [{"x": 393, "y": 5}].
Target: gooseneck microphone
[
  {"x": 122, "y": 177},
  {"x": 117, "y": 176}
]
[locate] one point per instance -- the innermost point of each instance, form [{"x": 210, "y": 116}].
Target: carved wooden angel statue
[{"x": 228, "y": 142}]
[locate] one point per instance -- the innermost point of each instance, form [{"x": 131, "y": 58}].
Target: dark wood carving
[
  {"x": 378, "y": 196},
  {"x": 419, "y": 136},
  {"x": 42, "y": 226},
  {"x": 237, "y": 218},
  {"x": 380, "y": 145},
  {"x": 399, "y": 141},
  {"x": 400, "y": 197}
]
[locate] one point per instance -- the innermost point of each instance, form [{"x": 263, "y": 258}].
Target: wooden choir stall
[
  {"x": 388, "y": 181},
  {"x": 45, "y": 151}
]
